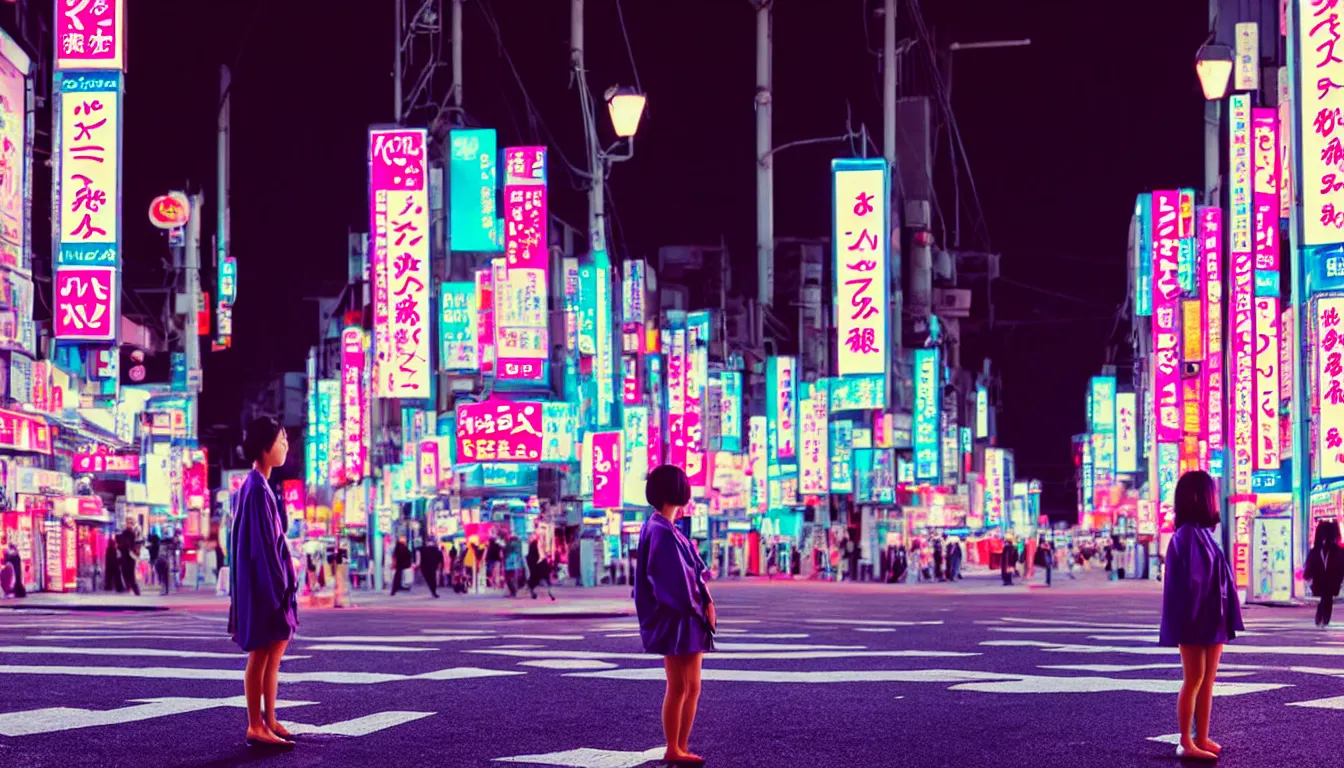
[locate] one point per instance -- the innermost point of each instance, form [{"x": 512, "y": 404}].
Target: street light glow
[
  {"x": 626, "y": 107},
  {"x": 1213, "y": 64}
]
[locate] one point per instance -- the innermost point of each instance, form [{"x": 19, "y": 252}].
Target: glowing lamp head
[
  {"x": 626, "y": 107},
  {"x": 1213, "y": 64}
]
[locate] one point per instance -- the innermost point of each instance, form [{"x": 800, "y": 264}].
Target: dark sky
[{"x": 1060, "y": 138}]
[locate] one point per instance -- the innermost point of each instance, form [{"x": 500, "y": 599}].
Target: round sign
[{"x": 170, "y": 211}]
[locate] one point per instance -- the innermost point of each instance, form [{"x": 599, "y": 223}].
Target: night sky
[{"x": 1061, "y": 136}]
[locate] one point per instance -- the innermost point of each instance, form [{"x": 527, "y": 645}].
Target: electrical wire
[{"x": 620, "y": 14}]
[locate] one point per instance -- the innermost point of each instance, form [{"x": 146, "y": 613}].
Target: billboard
[
  {"x": 473, "y": 221},
  {"x": 995, "y": 486},
  {"x": 90, "y": 34},
  {"x": 842, "y": 457},
  {"x": 1166, "y": 302},
  {"x": 88, "y": 169},
  {"x": 521, "y": 292},
  {"x": 635, "y": 458},
  {"x": 928, "y": 399},
  {"x": 1143, "y": 247},
  {"x": 1322, "y": 195},
  {"x": 981, "y": 412},
  {"x": 1102, "y": 404},
  {"x": 696, "y": 375},
  {"x": 459, "y": 347},
  {"x": 1210, "y": 222},
  {"x": 782, "y": 402},
  {"x": 1328, "y": 355},
  {"x": 1239, "y": 176},
  {"x": 1126, "y": 432},
  {"x": 499, "y": 431},
  {"x": 860, "y": 199},
  {"x": 400, "y": 262},
  {"x": 730, "y": 412},
  {"x": 354, "y": 402},
  {"x": 758, "y": 463},
  {"x": 814, "y": 462},
  {"x": 676, "y": 392}
]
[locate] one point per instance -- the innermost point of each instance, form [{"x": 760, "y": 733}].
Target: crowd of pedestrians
[{"x": 498, "y": 565}]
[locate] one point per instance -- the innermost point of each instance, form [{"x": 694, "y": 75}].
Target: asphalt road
[{"x": 807, "y": 675}]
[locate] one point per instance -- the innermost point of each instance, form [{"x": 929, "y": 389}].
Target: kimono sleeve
[
  {"x": 257, "y": 550},
  {"x": 667, "y": 574}
]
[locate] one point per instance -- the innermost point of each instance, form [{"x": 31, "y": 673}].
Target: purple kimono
[
  {"x": 1199, "y": 595},
  {"x": 670, "y": 593},
  {"x": 263, "y": 608}
]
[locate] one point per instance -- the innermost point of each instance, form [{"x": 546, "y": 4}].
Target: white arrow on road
[
  {"x": 54, "y": 719},
  {"x": 360, "y": 726},
  {"x": 587, "y": 757}
]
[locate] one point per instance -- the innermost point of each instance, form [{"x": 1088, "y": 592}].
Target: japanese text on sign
[
  {"x": 354, "y": 402},
  {"x": 1239, "y": 175},
  {"x": 459, "y": 350},
  {"x": 1265, "y": 187},
  {"x": 927, "y": 404},
  {"x": 1166, "y": 333},
  {"x": 399, "y": 221},
  {"x": 1210, "y": 251},
  {"x": 499, "y": 430},
  {"x": 1321, "y": 119},
  {"x": 1266, "y": 383},
  {"x": 860, "y": 193},
  {"x": 86, "y": 303},
  {"x": 676, "y": 396},
  {"x": 786, "y": 406},
  {"x": 606, "y": 469},
  {"x": 1243, "y": 371},
  {"x": 89, "y": 34},
  {"x": 696, "y": 375},
  {"x": 814, "y": 462},
  {"x": 1329, "y": 357},
  {"x": 89, "y": 155}
]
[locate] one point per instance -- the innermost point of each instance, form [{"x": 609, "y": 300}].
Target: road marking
[
  {"x": 359, "y": 726},
  {"x": 876, "y": 622},
  {"x": 1230, "y": 648},
  {"x": 128, "y": 637},
  {"x": 874, "y": 629},
  {"x": 778, "y": 636},
  {"x": 737, "y": 621},
  {"x": 542, "y": 637},
  {"x": 370, "y": 648},
  {"x": 1054, "y": 684},
  {"x": 1141, "y": 667},
  {"x": 733, "y": 646},
  {"x": 567, "y": 664},
  {"x": 395, "y": 638},
  {"x": 458, "y": 631},
  {"x": 587, "y": 757},
  {"x": 1334, "y": 702},
  {"x": 234, "y": 675},
  {"x": 1075, "y": 623},
  {"x": 747, "y": 656},
  {"x": 1125, "y": 638},
  {"x": 52, "y": 720},
  {"x": 166, "y": 653},
  {"x": 1169, "y": 738}
]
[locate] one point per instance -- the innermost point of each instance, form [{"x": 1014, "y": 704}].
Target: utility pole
[
  {"x": 597, "y": 208},
  {"x": 457, "y": 53},
  {"x": 222, "y": 182},
  {"x": 397, "y": 24},
  {"x": 890, "y": 75},
  {"x": 192, "y": 342},
  {"x": 765, "y": 174}
]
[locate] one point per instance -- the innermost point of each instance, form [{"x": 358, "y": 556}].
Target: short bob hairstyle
[
  {"x": 260, "y": 436},
  {"x": 666, "y": 485},
  {"x": 1197, "y": 500}
]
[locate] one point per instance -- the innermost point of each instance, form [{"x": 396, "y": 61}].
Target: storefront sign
[
  {"x": 860, "y": 198},
  {"x": 1242, "y": 374},
  {"x": 294, "y": 499},
  {"x": 857, "y": 393},
  {"x": 499, "y": 430},
  {"x": 354, "y": 402},
  {"x": 814, "y": 436},
  {"x": 1239, "y": 175},
  {"x": 995, "y": 486},
  {"x": 981, "y": 413},
  {"x": 697, "y": 381},
  {"x": 521, "y": 297},
  {"x": 676, "y": 394},
  {"x": 730, "y": 412},
  {"x": 459, "y": 347},
  {"x": 1328, "y": 334},
  {"x": 782, "y": 394},
  {"x": 560, "y": 432},
  {"x": 1271, "y": 578},
  {"x": 427, "y": 465},
  {"x": 400, "y": 262},
  {"x": 472, "y": 218},
  {"x": 604, "y": 448},
  {"x": 635, "y": 458},
  {"x": 126, "y": 464},
  {"x": 928, "y": 401},
  {"x": 1266, "y": 383},
  {"x": 90, "y": 34},
  {"x": 1265, "y": 187},
  {"x": 758, "y": 463},
  {"x": 1143, "y": 248},
  {"x": 1166, "y": 302},
  {"x": 1211, "y": 258},
  {"x": 842, "y": 457},
  {"x": 1126, "y": 433}
]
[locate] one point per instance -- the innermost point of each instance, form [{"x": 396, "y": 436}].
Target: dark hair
[
  {"x": 666, "y": 485},
  {"x": 1197, "y": 500},
  {"x": 1327, "y": 533},
  {"x": 259, "y": 438}
]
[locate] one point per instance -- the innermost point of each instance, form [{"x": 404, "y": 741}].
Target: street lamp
[
  {"x": 1213, "y": 64},
  {"x": 626, "y": 107}
]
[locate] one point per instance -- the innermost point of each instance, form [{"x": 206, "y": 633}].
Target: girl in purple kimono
[
  {"x": 676, "y": 614},
  {"x": 1200, "y": 610},
  {"x": 263, "y": 611}
]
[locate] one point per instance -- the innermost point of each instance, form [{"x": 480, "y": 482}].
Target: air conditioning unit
[{"x": 952, "y": 302}]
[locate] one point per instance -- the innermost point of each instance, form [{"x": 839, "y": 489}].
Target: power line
[{"x": 629, "y": 50}]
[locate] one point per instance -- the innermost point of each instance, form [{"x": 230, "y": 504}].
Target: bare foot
[
  {"x": 1192, "y": 752},
  {"x": 1209, "y": 745}
]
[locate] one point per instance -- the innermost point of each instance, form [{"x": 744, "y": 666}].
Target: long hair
[{"x": 1197, "y": 500}]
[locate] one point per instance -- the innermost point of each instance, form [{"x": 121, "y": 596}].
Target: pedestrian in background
[
  {"x": 263, "y": 605},
  {"x": 1047, "y": 558},
  {"x": 128, "y": 546},
  {"x": 112, "y": 569},
  {"x": 1008, "y": 561},
  {"x": 401, "y": 563},
  {"x": 513, "y": 565},
  {"x": 431, "y": 560},
  {"x": 161, "y": 570},
  {"x": 14, "y": 562},
  {"x": 494, "y": 555},
  {"x": 340, "y": 576},
  {"x": 1200, "y": 610},
  {"x": 676, "y": 613},
  {"x": 1325, "y": 569},
  {"x": 538, "y": 570},
  {"x": 936, "y": 545}
]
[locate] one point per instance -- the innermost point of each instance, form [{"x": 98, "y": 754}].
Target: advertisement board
[{"x": 860, "y": 196}]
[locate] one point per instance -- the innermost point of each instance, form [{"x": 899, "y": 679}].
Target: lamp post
[{"x": 1213, "y": 64}]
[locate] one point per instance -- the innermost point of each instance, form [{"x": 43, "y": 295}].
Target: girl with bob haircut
[
  {"x": 1200, "y": 609},
  {"x": 263, "y": 610},
  {"x": 676, "y": 613}
]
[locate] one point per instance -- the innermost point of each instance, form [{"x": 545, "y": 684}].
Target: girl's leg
[
  {"x": 254, "y": 679},
  {"x": 1328, "y": 606},
  {"x": 1192, "y": 668},
  {"x": 1204, "y": 704},
  {"x": 673, "y": 701},
  {"x": 1320, "y": 611},
  {"x": 273, "y": 687},
  {"x": 691, "y": 676}
]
